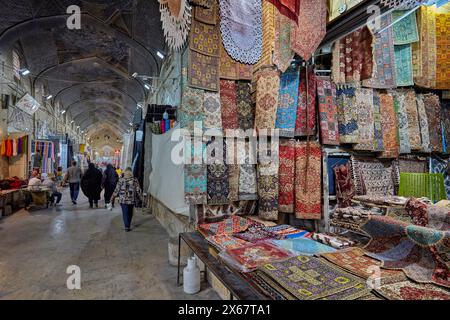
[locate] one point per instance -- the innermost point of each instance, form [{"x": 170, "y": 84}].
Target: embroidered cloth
[
  {"x": 329, "y": 126},
  {"x": 288, "y": 103},
  {"x": 267, "y": 91},
  {"x": 306, "y": 110}
]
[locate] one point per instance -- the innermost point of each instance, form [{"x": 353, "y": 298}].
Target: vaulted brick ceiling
[{"x": 88, "y": 71}]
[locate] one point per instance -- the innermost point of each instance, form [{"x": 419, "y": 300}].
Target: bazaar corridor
[{"x": 37, "y": 248}]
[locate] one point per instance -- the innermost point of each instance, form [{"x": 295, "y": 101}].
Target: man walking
[{"x": 73, "y": 176}]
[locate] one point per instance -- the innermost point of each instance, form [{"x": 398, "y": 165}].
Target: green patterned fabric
[
  {"x": 403, "y": 65},
  {"x": 430, "y": 185},
  {"x": 405, "y": 31}
]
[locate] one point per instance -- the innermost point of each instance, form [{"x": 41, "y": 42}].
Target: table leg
[{"x": 179, "y": 258}]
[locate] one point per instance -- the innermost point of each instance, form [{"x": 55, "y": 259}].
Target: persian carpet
[
  {"x": 356, "y": 262},
  {"x": 403, "y": 65},
  {"x": 433, "y": 110},
  {"x": 311, "y": 29},
  {"x": 306, "y": 111},
  {"x": 389, "y": 126},
  {"x": 329, "y": 126},
  {"x": 233, "y": 182},
  {"x": 408, "y": 290},
  {"x": 422, "y": 253},
  {"x": 212, "y": 111},
  {"x": 308, "y": 180},
  {"x": 288, "y": 103},
  {"x": 347, "y": 116},
  {"x": 255, "y": 234},
  {"x": 405, "y": 31},
  {"x": 286, "y": 177},
  {"x": 378, "y": 130},
  {"x": 204, "y": 38},
  {"x": 428, "y": 215},
  {"x": 442, "y": 51},
  {"x": 310, "y": 278},
  {"x": 218, "y": 184},
  {"x": 415, "y": 139},
  {"x": 303, "y": 246},
  {"x": 282, "y": 53},
  {"x": 247, "y": 177},
  {"x": 424, "y": 127},
  {"x": 383, "y": 76},
  {"x": 268, "y": 187},
  {"x": 241, "y": 28},
  {"x": 267, "y": 90},
  {"x": 195, "y": 184},
  {"x": 373, "y": 177},
  {"x": 228, "y": 102},
  {"x": 366, "y": 127},
  {"x": 224, "y": 242},
  {"x": 245, "y": 110},
  {"x": 228, "y": 226},
  {"x": 203, "y": 71},
  {"x": 191, "y": 108},
  {"x": 345, "y": 188}
]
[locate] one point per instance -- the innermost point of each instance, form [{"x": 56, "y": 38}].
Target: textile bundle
[
  {"x": 14, "y": 147},
  {"x": 329, "y": 127},
  {"x": 288, "y": 103},
  {"x": 267, "y": 91}
]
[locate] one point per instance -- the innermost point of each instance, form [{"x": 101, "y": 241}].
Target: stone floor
[{"x": 36, "y": 249}]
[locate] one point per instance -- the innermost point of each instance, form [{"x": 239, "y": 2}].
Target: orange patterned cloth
[
  {"x": 268, "y": 24},
  {"x": 389, "y": 126},
  {"x": 233, "y": 70},
  {"x": 443, "y": 51},
  {"x": 308, "y": 180}
]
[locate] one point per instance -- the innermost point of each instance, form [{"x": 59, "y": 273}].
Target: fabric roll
[
  {"x": 366, "y": 127},
  {"x": 424, "y": 127},
  {"x": 378, "y": 130},
  {"x": 433, "y": 110},
  {"x": 267, "y": 91},
  {"x": 245, "y": 110},
  {"x": 306, "y": 110},
  {"x": 228, "y": 102},
  {"x": 308, "y": 180},
  {"x": 389, "y": 126},
  {"x": 347, "y": 116},
  {"x": 288, "y": 103},
  {"x": 329, "y": 126},
  {"x": 286, "y": 177},
  {"x": 282, "y": 54}
]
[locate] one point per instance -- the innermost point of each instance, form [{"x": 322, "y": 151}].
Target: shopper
[
  {"x": 73, "y": 177},
  {"x": 91, "y": 184},
  {"x": 50, "y": 183},
  {"x": 130, "y": 194},
  {"x": 110, "y": 178}
]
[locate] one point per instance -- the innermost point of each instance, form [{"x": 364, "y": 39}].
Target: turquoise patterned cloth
[
  {"x": 303, "y": 246},
  {"x": 403, "y": 65},
  {"x": 288, "y": 102},
  {"x": 405, "y": 31}
]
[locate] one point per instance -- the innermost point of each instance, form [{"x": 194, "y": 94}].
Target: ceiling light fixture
[
  {"x": 24, "y": 72},
  {"x": 160, "y": 55},
  {"x": 64, "y": 111},
  {"x": 72, "y": 122},
  {"x": 134, "y": 75},
  {"x": 146, "y": 86},
  {"x": 49, "y": 97}
]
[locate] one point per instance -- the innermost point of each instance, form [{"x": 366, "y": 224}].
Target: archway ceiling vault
[{"x": 116, "y": 39}]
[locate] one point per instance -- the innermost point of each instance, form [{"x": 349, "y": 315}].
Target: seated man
[
  {"x": 50, "y": 183},
  {"x": 35, "y": 180}
]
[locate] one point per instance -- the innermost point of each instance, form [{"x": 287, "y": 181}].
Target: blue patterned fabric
[
  {"x": 332, "y": 163},
  {"x": 304, "y": 246},
  {"x": 288, "y": 102},
  {"x": 439, "y": 165}
]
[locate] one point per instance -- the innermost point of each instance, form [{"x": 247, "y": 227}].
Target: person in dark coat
[
  {"x": 109, "y": 183},
  {"x": 91, "y": 184}
]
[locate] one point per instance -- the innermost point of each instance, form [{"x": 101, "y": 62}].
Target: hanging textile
[
  {"x": 308, "y": 180},
  {"x": 383, "y": 76},
  {"x": 345, "y": 188},
  {"x": 415, "y": 136},
  {"x": 378, "y": 131},
  {"x": 366, "y": 127},
  {"x": 233, "y": 70},
  {"x": 218, "y": 173},
  {"x": 228, "y": 104},
  {"x": 352, "y": 57},
  {"x": 306, "y": 110},
  {"x": 9, "y": 148},
  {"x": 433, "y": 110},
  {"x": 203, "y": 71},
  {"x": 373, "y": 177},
  {"x": 267, "y": 91},
  {"x": 268, "y": 30},
  {"x": 282, "y": 53},
  {"x": 347, "y": 116},
  {"x": 175, "y": 26},
  {"x": 402, "y": 4},
  {"x": 247, "y": 175},
  {"x": 268, "y": 191},
  {"x": 206, "y": 15},
  {"x": 288, "y": 103},
  {"x": 241, "y": 28},
  {"x": 412, "y": 164},
  {"x": 212, "y": 111},
  {"x": 46, "y": 152},
  {"x": 204, "y": 38},
  {"x": 14, "y": 153},
  {"x": 195, "y": 175},
  {"x": 443, "y": 50},
  {"x": 204, "y": 3},
  {"x": 389, "y": 126},
  {"x": 329, "y": 126},
  {"x": 311, "y": 29},
  {"x": 233, "y": 173},
  {"x": 403, "y": 125},
  {"x": 288, "y": 8},
  {"x": 245, "y": 110},
  {"x": 405, "y": 31},
  {"x": 424, "y": 127},
  {"x": 445, "y": 112},
  {"x": 287, "y": 176},
  {"x": 191, "y": 109},
  {"x": 3, "y": 148},
  {"x": 332, "y": 162},
  {"x": 403, "y": 65},
  {"x": 441, "y": 166}
]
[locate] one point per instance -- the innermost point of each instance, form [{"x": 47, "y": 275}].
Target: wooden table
[{"x": 235, "y": 283}]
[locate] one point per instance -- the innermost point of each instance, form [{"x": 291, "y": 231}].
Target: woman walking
[
  {"x": 110, "y": 178},
  {"x": 91, "y": 184},
  {"x": 130, "y": 194}
]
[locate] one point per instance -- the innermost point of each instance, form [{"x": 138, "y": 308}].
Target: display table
[
  {"x": 10, "y": 198},
  {"x": 235, "y": 283}
]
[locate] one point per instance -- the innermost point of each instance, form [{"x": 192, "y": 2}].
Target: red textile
[
  {"x": 228, "y": 100},
  {"x": 306, "y": 111},
  {"x": 287, "y": 177},
  {"x": 288, "y": 8},
  {"x": 9, "y": 148}
]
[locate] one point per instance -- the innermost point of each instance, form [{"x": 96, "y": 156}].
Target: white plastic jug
[{"x": 191, "y": 277}]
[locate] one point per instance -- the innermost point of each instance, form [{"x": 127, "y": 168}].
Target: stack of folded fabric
[{"x": 334, "y": 241}]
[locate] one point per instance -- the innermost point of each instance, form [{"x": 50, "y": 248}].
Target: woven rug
[
  {"x": 415, "y": 139},
  {"x": 288, "y": 8},
  {"x": 308, "y": 180},
  {"x": 345, "y": 187},
  {"x": 287, "y": 177},
  {"x": 306, "y": 111},
  {"x": 288, "y": 103},
  {"x": 405, "y": 31},
  {"x": 309, "y": 278},
  {"x": 282, "y": 53},
  {"x": 403, "y": 122},
  {"x": 389, "y": 126},
  {"x": 233, "y": 181},
  {"x": 268, "y": 29},
  {"x": 439, "y": 165},
  {"x": 195, "y": 184},
  {"x": 403, "y": 65},
  {"x": 218, "y": 185},
  {"x": 204, "y": 38},
  {"x": 356, "y": 262},
  {"x": 332, "y": 162},
  {"x": 347, "y": 116},
  {"x": 378, "y": 130},
  {"x": 422, "y": 253},
  {"x": 254, "y": 255},
  {"x": 373, "y": 177},
  {"x": 262, "y": 286},
  {"x": 329, "y": 126},
  {"x": 241, "y": 28},
  {"x": 424, "y": 126},
  {"x": 212, "y": 111},
  {"x": 383, "y": 76},
  {"x": 426, "y": 215},
  {"x": 191, "y": 108},
  {"x": 268, "y": 187},
  {"x": 433, "y": 109},
  {"x": 255, "y": 234},
  {"x": 245, "y": 110},
  {"x": 311, "y": 29},
  {"x": 442, "y": 51},
  {"x": 203, "y": 71},
  {"x": 224, "y": 242},
  {"x": 303, "y": 246},
  {"x": 247, "y": 177},
  {"x": 228, "y": 67},
  {"x": 228, "y": 226},
  {"x": 408, "y": 290},
  {"x": 228, "y": 102},
  {"x": 366, "y": 127},
  {"x": 267, "y": 91}
]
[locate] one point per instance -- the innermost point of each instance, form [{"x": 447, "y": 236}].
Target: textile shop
[{"x": 358, "y": 174}]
